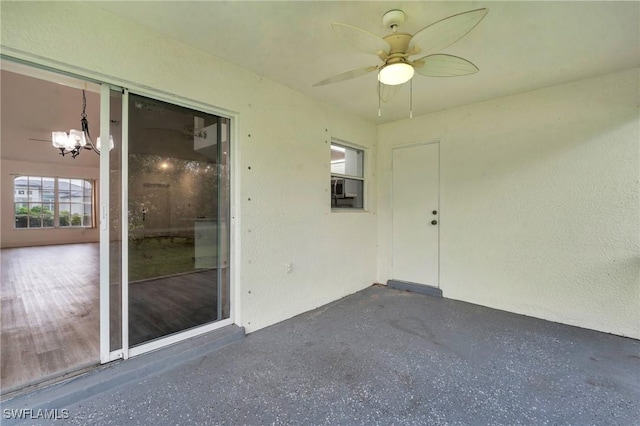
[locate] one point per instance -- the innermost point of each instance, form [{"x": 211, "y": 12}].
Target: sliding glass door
[
  {"x": 178, "y": 215},
  {"x": 112, "y": 250}
]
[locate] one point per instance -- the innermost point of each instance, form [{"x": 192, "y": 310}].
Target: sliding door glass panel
[
  {"x": 178, "y": 211},
  {"x": 222, "y": 225},
  {"x": 115, "y": 222}
]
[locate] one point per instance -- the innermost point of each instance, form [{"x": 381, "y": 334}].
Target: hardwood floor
[
  {"x": 50, "y": 315},
  {"x": 168, "y": 305},
  {"x": 50, "y": 310}
]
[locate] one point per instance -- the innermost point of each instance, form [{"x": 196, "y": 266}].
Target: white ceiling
[{"x": 519, "y": 46}]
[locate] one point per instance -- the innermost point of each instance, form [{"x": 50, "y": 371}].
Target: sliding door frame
[
  {"x": 205, "y": 328},
  {"x": 107, "y": 84},
  {"x": 124, "y": 219}
]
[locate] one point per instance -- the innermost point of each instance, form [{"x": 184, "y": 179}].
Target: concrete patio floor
[{"x": 384, "y": 356}]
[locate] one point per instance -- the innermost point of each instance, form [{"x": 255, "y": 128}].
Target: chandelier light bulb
[
  {"x": 59, "y": 139},
  {"x": 99, "y": 143},
  {"x": 395, "y": 74}
]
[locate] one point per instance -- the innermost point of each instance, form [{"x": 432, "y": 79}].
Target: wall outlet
[{"x": 289, "y": 268}]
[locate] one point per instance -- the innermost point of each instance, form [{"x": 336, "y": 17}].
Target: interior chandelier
[{"x": 73, "y": 142}]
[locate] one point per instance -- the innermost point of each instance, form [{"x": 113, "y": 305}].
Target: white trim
[
  {"x": 390, "y": 203},
  {"x": 233, "y": 250},
  {"x": 40, "y": 73},
  {"x": 124, "y": 219},
  {"x": 439, "y": 216},
  {"x": 340, "y": 175},
  {"x": 178, "y": 337},
  {"x": 182, "y": 101},
  {"x": 346, "y": 144},
  {"x": 410, "y": 145},
  {"x": 366, "y": 178},
  {"x": 116, "y": 355},
  {"x": 103, "y": 213},
  {"x": 20, "y": 56},
  {"x": 234, "y": 220}
]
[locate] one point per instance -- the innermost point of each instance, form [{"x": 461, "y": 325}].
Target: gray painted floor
[{"x": 384, "y": 356}]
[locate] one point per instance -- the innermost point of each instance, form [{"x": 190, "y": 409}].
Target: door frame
[
  {"x": 390, "y": 229},
  {"x": 127, "y": 351},
  {"x": 107, "y": 82}
]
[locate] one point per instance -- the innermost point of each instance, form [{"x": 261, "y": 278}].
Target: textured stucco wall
[
  {"x": 540, "y": 210},
  {"x": 282, "y": 207}
]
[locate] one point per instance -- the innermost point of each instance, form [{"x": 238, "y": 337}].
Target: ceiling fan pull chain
[
  {"x": 379, "y": 96},
  {"x": 411, "y": 98}
]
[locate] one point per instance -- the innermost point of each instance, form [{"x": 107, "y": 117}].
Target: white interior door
[{"x": 415, "y": 226}]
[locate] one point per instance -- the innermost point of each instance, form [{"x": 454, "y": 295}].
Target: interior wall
[
  {"x": 282, "y": 209},
  {"x": 540, "y": 206},
  {"x": 30, "y": 110}
]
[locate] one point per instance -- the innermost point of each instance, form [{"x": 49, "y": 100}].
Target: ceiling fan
[{"x": 395, "y": 50}]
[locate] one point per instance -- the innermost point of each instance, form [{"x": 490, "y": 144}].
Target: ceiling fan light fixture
[{"x": 394, "y": 74}]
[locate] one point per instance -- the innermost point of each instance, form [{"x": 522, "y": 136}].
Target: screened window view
[
  {"x": 347, "y": 177},
  {"x": 178, "y": 214},
  {"x": 49, "y": 202}
]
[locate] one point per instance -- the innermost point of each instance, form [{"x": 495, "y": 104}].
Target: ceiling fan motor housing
[{"x": 399, "y": 46}]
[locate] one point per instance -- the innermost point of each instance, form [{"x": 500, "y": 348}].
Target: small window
[{"x": 347, "y": 177}]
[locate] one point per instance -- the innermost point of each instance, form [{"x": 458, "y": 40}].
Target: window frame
[
  {"x": 363, "y": 178},
  {"x": 22, "y": 197}
]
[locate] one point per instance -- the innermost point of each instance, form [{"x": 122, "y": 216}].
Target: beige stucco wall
[
  {"x": 540, "y": 210},
  {"x": 539, "y": 191}
]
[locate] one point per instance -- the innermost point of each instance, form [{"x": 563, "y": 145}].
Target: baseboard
[{"x": 415, "y": 288}]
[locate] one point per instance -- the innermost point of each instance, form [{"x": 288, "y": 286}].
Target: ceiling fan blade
[
  {"x": 40, "y": 140},
  {"x": 441, "y": 65},
  {"x": 387, "y": 92},
  {"x": 445, "y": 32},
  {"x": 347, "y": 75},
  {"x": 361, "y": 39}
]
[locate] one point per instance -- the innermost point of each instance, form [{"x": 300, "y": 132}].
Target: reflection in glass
[
  {"x": 115, "y": 222},
  {"x": 177, "y": 218}
]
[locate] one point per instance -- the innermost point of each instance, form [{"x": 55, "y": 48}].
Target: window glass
[
  {"x": 47, "y": 202},
  {"x": 347, "y": 177}
]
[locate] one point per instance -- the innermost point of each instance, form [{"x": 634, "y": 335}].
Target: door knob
[{"x": 434, "y": 222}]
